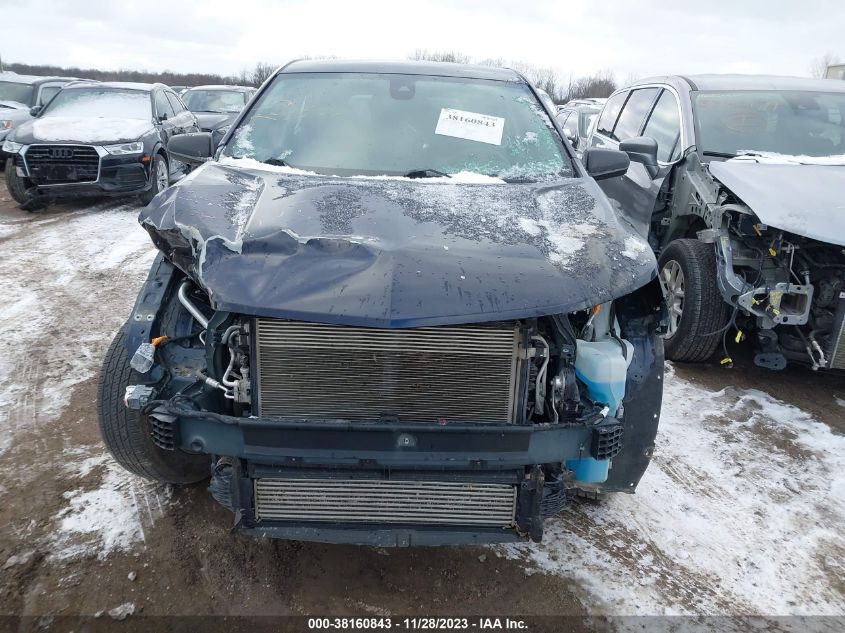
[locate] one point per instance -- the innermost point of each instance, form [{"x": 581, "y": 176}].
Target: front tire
[
  {"x": 697, "y": 312},
  {"x": 160, "y": 176},
  {"x": 126, "y": 433},
  {"x": 14, "y": 183}
]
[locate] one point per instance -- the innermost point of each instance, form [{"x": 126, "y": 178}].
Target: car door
[
  {"x": 166, "y": 122},
  {"x": 602, "y": 136},
  {"x": 47, "y": 91},
  {"x": 635, "y": 194},
  {"x": 165, "y": 116},
  {"x": 185, "y": 120}
]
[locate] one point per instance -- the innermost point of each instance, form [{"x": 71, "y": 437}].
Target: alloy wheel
[{"x": 673, "y": 284}]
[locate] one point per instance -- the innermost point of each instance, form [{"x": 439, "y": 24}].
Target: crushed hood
[
  {"x": 807, "y": 200},
  {"x": 97, "y": 130},
  {"x": 395, "y": 252}
]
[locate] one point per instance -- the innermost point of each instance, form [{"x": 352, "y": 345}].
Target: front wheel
[
  {"x": 127, "y": 433},
  {"x": 14, "y": 183},
  {"x": 160, "y": 176},
  {"x": 697, "y": 312}
]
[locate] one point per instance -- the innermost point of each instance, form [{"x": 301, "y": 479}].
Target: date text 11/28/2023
[{"x": 417, "y": 624}]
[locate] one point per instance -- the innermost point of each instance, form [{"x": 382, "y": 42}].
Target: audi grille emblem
[{"x": 61, "y": 152}]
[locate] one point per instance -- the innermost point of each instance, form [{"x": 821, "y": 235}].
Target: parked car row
[
  {"x": 89, "y": 138},
  {"x": 411, "y": 303},
  {"x": 577, "y": 118},
  {"x": 19, "y": 94}
]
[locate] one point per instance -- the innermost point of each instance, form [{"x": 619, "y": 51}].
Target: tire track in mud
[
  {"x": 70, "y": 278},
  {"x": 63, "y": 303}
]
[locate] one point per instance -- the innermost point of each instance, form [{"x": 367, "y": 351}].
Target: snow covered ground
[{"x": 741, "y": 512}]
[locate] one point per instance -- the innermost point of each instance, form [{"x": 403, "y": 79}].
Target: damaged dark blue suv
[{"x": 392, "y": 309}]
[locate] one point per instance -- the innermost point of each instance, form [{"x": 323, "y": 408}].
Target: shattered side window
[{"x": 388, "y": 124}]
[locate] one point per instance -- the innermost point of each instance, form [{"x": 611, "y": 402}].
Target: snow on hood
[
  {"x": 394, "y": 252},
  {"x": 89, "y": 129},
  {"x": 461, "y": 177},
  {"x": 803, "y": 199},
  {"x": 773, "y": 158}
]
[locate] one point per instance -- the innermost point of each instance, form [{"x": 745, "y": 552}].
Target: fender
[{"x": 161, "y": 285}]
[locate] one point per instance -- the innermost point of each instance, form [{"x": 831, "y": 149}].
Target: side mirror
[
  {"x": 34, "y": 110},
  {"x": 643, "y": 150},
  {"x": 194, "y": 147},
  {"x": 162, "y": 116},
  {"x": 605, "y": 163}
]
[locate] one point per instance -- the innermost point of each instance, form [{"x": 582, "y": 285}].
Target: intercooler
[
  {"x": 385, "y": 501},
  {"x": 836, "y": 351},
  {"x": 465, "y": 373}
]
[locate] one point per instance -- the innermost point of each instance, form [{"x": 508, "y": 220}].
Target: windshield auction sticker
[{"x": 471, "y": 126}]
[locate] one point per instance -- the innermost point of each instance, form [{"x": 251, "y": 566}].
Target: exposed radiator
[
  {"x": 836, "y": 351},
  {"x": 315, "y": 371},
  {"x": 383, "y": 501}
]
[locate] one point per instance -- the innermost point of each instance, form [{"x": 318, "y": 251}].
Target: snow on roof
[{"x": 221, "y": 87}]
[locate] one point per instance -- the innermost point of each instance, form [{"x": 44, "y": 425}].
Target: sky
[{"x": 577, "y": 38}]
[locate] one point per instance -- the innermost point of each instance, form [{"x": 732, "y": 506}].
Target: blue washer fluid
[{"x": 603, "y": 369}]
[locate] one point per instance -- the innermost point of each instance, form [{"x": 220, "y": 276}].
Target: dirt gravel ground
[{"x": 740, "y": 513}]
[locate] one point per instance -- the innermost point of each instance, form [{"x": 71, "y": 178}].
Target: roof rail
[{"x": 82, "y": 81}]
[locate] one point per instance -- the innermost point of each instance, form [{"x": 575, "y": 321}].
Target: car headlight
[
  {"x": 222, "y": 130},
  {"x": 10, "y": 147},
  {"x": 120, "y": 149},
  {"x": 6, "y": 124}
]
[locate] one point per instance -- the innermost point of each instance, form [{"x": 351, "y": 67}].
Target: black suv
[
  {"x": 392, "y": 311},
  {"x": 97, "y": 139}
]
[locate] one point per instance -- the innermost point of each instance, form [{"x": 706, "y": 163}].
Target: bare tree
[
  {"x": 262, "y": 72},
  {"x": 818, "y": 67},
  {"x": 602, "y": 84},
  {"x": 441, "y": 56}
]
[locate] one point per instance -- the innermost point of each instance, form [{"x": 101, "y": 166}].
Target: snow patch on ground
[
  {"x": 110, "y": 517},
  {"x": 839, "y": 401},
  {"x": 75, "y": 257},
  {"x": 741, "y": 511}
]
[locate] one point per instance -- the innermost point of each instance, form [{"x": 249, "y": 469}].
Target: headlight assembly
[
  {"x": 6, "y": 124},
  {"x": 121, "y": 149},
  {"x": 10, "y": 147}
]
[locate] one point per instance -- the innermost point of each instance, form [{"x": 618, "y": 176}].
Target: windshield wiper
[
  {"x": 426, "y": 173},
  {"x": 718, "y": 154},
  {"x": 276, "y": 162}
]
